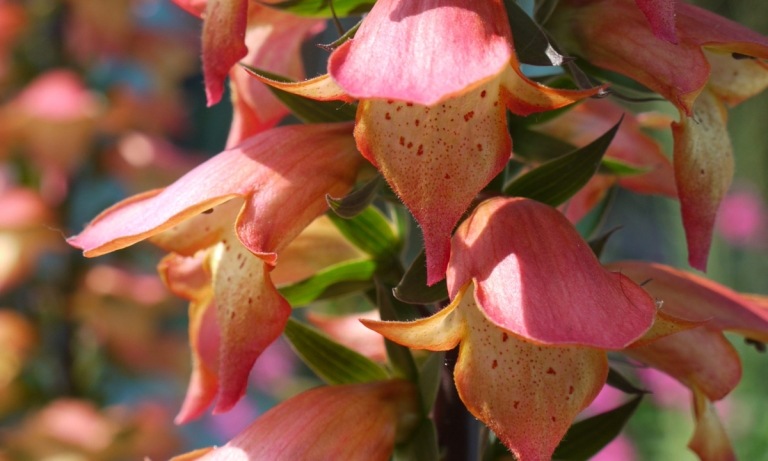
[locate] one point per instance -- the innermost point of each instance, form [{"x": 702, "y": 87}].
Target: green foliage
[
  {"x": 370, "y": 231},
  {"x": 332, "y": 362},
  {"x": 413, "y": 288},
  {"x": 335, "y": 280},
  {"x": 325, "y": 8}
]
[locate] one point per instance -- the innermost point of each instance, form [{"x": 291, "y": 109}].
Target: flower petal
[
  {"x": 733, "y": 79},
  {"x": 358, "y": 422},
  {"x": 526, "y": 393},
  {"x": 694, "y": 298},
  {"x": 699, "y": 358},
  {"x": 188, "y": 278},
  {"x": 401, "y": 52},
  {"x": 282, "y": 162},
  {"x": 536, "y": 277},
  {"x": 703, "y": 170},
  {"x": 709, "y": 440},
  {"x": 224, "y": 25},
  {"x": 322, "y": 88},
  {"x": 661, "y": 16},
  {"x": 250, "y": 312}
]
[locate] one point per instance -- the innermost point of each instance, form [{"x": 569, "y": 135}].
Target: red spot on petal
[
  {"x": 250, "y": 300},
  {"x": 570, "y": 389},
  {"x": 447, "y": 176},
  {"x": 390, "y": 101},
  {"x": 516, "y": 404},
  {"x": 495, "y": 364},
  {"x": 416, "y": 122},
  {"x": 468, "y": 116},
  {"x": 554, "y": 419},
  {"x": 410, "y": 144},
  {"x": 402, "y": 141},
  {"x": 504, "y": 337},
  {"x": 387, "y": 116},
  {"x": 409, "y": 104},
  {"x": 479, "y": 147},
  {"x": 482, "y": 94},
  {"x": 420, "y": 150},
  {"x": 551, "y": 371}
]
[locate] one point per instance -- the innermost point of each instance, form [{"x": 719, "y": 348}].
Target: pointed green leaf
[
  {"x": 332, "y": 362},
  {"x": 305, "y": 109},
  {"x": 557, "y": 180},
  {"x": 400, "y": 357},
  {"x": 618, "y": 381},
  {"x": 341, "y": 278},
  {"x": 619, "y": 168},
  {"x": 429, "y": 379},
  {"x": 532, "y": 45},
  {"x": 598, "y": 244},
  {"x": 370, "y": 231},
  {"x": 356, "y": 201},
  {"x": 324, "y": 8},
  {"x": 413, "y": 288},
  {"x": 585, "y": 438},
  {"x": 538, "y": 147}
]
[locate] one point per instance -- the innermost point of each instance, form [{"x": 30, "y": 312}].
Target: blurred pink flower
[{"x": 743, "y": 218}]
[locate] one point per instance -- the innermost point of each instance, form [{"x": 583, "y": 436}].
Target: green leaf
[
  {"x": 322, "y": 8},
  {"x": 619, "y": 168},
  {"x": 400, "y": 357},
  {"x": 557, "y": 180},
  {"x": 332, "y": 362},
  {"x": 618, "y": 381},
  {"x": 370, "y": 231},
  {"x": 585, "y": 438},
  {"x": 532, "y": 45},
  {"x": 421, "y": 446},
  {"x": 595, "y": 219},
  {"x": 538, "y": 147},
  {"x": 429, "y": 379},
  {"x": 305, "y": 109},
  {"x": 356, "y": 201},
  {"x": 413, "y": 288},
  {"x": 341, "y": 278}
]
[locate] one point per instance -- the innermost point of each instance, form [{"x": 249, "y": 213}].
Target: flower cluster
[{"x": 429, "y": 95}]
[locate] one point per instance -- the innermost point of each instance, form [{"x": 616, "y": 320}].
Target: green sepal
[
  {"x": 534, "y": 146},
  {"x": 306, "y": 109},
  {"x": 332, "y": 362},
  {"x": 413, "y": 288},
  {"x": 390, "y": 309},
  {"x": 344, "y": 277},
  {"x": 370, "y": 231},
  {"x": 558, "y": 180},
  {"x": 585, "y": 438},
  {"x": 324, "y": 8},
  {"x": 429, "y": 379},
  {"x": 356, "y": 201},
  {"x": 532, "y": 45}
]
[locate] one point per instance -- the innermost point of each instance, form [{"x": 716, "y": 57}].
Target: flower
[
  {"x": 266, "y": 38},
  {"x": 701, "y": 358},
  {"x": 534, "y": 330},
  {"x": 350, "y": 422},
  {"x": 232, "y": 215},
  {"x": 434, "y": 122},
  {"x": 631, "y": 146},
  {"x": 714, "y": 63}
]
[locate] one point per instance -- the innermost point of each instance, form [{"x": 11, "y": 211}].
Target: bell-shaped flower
[
  {"x": 232, "y": 215},
  {"x": 433, "y": 122},
  {"x": 715, "y": 62},
  {"x": 700, "y": 358},
  {"x": 631, "y": 146},
  {"x": 533, "y": 311},
  {"x": 263, "y": 37},
  {"x": 355, "y": 422}
]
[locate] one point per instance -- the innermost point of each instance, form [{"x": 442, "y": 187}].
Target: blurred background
[{"x": 103, "y": 99}]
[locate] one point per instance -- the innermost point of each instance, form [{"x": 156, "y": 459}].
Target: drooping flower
[
  {"x": 356, "y": 422},
  {"x": 630, "y": 146},
  {"x": 715, "y": 63},
  {"x": 232, "y": 215},
  {"x": 266, "y": 38},
  {"x": 701, "y": 358},
  {"x": 434, "y": 80},
  {"x": 533, "y": 312}
]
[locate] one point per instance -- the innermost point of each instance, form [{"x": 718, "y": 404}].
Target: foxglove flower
[
  {"x": 533, "y": 312},
  {"x": 232, "y": 215},
  {"x": 714, "y": 63},
  {"x": 434, "y": 80}
]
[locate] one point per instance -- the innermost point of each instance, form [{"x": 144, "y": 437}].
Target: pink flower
[
  {"x": 533, "y": 312},
  {"x": 434, "y": 121},
  {"x": 715, "y": 62},
  {"x": 357, "y": 422},
  {"x": 224, "y": 222}
]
